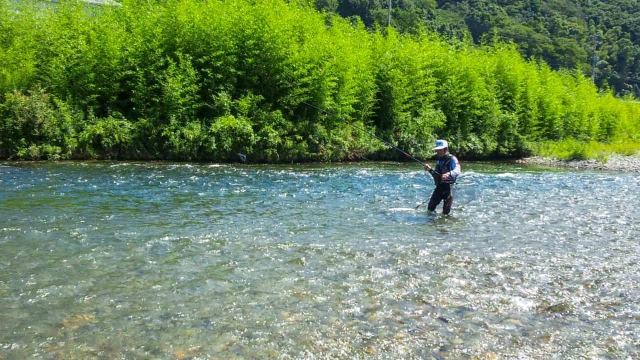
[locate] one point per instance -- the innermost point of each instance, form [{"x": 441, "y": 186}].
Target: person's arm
[
  {"x": 431, "y": 170},
  {"x": 434, "y": 174},
  {"x": 454, "y": 171}
]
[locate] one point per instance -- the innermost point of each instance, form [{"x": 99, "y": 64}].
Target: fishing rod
[
  {"x": 430, "y": 169},
  {"x": 455, "y": 188},
  {"x": 324, "y": 111},
  {"x": 422, "y": 203}
]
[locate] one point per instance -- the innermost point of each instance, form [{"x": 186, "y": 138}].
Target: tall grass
[
  {"x": 193, "y": 80},
  {"x": 579, "y": 150}
]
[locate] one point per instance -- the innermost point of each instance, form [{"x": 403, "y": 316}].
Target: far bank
[{"x": 617, "y": 163}]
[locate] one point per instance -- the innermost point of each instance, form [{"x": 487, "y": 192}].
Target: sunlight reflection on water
[{"x": 127, "y": 260}]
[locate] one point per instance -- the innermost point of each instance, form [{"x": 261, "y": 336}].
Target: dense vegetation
[
  {"x": 599, "y": 37},
  {"x": 193, "y": 80}
]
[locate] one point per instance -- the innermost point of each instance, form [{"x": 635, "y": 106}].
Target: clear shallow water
[{"x": 161, "y": 261}]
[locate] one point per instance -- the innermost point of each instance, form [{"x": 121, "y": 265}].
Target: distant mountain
[{"x": 601, "y": 38}]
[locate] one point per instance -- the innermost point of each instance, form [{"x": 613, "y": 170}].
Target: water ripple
[{"x": 139, "y": 260}]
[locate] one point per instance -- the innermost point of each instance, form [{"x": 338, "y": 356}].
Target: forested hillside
[
  {"x": 277, "y": 81},
  {"x": 601, "y": 38}
]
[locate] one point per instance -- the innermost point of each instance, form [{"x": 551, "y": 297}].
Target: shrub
[
  {"x": 106, "y": 138},
  {"x": 35, "y": 125},
  {"x": 232, "y": 135}
]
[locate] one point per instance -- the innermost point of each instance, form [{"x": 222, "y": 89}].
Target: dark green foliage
[
  {"x": 110, "y": 137},
  {"x": 601, "y": 38},
  {"x": 203, "y": 81},
  {"x": 36, "y": 126}
]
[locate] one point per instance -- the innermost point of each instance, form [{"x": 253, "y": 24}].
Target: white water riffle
[{"x": 166, "y": 261}]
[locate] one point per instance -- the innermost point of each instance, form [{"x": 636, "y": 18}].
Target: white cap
[{"x": 441, "y": 144}]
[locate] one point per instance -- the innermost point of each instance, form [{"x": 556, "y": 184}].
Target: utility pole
[
  {"x": 389, "y": 18},
  {"x": 594, "y": 61},
  {"x": 595, "y": 57}
]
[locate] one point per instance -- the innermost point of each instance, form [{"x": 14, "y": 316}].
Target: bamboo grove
[{"x": 191, "y": 80}]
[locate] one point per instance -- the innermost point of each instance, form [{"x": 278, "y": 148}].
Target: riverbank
[
  {"x": 616, "y": 163},
  {"x": 613, "y": 163}
]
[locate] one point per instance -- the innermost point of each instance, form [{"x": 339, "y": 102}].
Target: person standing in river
[{"x": 444, "y": 175}]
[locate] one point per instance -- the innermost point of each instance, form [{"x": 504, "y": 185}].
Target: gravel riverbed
[{"x": 614, "y": 163}]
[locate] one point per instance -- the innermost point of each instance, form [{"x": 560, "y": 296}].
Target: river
[{"x": 199, "y": 261}]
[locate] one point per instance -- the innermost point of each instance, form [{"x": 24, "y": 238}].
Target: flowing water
[{"x": 179, "y": 261}]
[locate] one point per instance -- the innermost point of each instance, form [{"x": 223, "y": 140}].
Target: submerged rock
[{"x": 560, "y": 308}]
